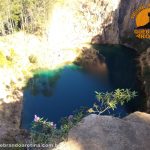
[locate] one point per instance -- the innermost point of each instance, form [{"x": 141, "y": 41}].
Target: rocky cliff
[
  {"x": 109, "y": 22},
  {"x": 84, "y": 19},
  {"x": 118, "y": 27},
  {"x": 101, "y": 21},
  {"x": 109, "y": 133},
  {"x": 126, "y": 27},
  {"x": 126, "y": 24},
  {"x": 115, "y": 26},
  {"x": 145, "y": 73}
]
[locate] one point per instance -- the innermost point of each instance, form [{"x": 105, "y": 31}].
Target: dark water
[{"x": 57, "y": 94}]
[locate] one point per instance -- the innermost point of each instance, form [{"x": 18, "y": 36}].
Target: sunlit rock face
[
  {"x": 110, "y": 133},
  {"x": 118, "y": 27},
  {"x": 77, "y": 21}
]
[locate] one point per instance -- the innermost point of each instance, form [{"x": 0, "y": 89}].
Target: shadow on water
[
  {"x": 123, "y": 72},
  {"x": 56, "y": 94}
]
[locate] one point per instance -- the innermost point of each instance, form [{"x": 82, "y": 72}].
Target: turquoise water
[{"x": 57, "y": 94}]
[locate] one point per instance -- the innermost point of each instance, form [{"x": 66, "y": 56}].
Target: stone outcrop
[
  {"x": 92, "y": 18},
  {"x": 110, "y": 133},
  {"x": 108, "y": 22},
  {"x": 118, "y": 27},
  {"x": 126, "y": 25},
  {"x": 145, "y": 73}
]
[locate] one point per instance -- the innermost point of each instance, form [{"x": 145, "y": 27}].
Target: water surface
[{"x": 57, "y": 94}]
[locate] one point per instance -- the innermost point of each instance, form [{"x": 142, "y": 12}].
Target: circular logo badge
[{"x": 143, "y": 19}]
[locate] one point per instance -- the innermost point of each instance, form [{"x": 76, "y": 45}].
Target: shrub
[
  {"x": 11, "y": 56},
  {"x": 42, "y": 131},
  {"x": 32, "y": 59},
  {"x": 7, "y": 60},
  {"x": 110, "y": 100},
  {"x": 68, "y": 122}
]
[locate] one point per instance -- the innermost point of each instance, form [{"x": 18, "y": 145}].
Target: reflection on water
[
  {"x": 57, "y": 94},
  {"x": 43, "y": 83}
]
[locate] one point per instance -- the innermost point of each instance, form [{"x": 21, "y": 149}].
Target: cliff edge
[{"x": 110, "y": 133}]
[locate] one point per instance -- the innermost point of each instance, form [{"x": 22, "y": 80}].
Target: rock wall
[
  {"x": 126, "y": 25},
  {"x": 88, "y": 18},
  {"x": 100, "y": 21},
  {"x": 118, "y": 28},
  {"x": 103, "y": 21},
  {"x": 121, "y": 31},
  {"x": 145, "y": 74},
  {"x": 127, "y": 37},
  {"x": 109, "y": 133}
]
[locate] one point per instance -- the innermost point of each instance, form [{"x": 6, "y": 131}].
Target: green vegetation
[
  {"x": 27, "y": 15},
  {"x": 6, "y": 61},
  {"x": 43, "y": 131},
  {"x": 68, "y": 122},
  {"x": 110, "y": 100},
  {"x": 32, "y": 59},
  {"x": 3, "y": 59}
]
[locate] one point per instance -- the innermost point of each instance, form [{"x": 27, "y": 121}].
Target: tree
[{"x": 28, "y": 15}]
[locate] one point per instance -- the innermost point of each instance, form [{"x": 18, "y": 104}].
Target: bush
[
  {"x": 11, "y": 56},
  {"x": 110, "y": 100},
  {"x": 7, "y": 60},
  {"x": 42, "y": 131},
  {"x": 33, "y": 59},
  {"x": 68, "y": 122}
]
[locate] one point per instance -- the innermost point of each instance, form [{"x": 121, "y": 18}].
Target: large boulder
[{"x": 109, "y": 133}]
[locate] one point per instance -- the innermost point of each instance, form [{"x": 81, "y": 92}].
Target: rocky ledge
[
  {"x": 109, "y": 133},
  {"x": 145, "y": 74}
]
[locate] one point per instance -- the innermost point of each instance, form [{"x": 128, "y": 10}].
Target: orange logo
[{"x": 142, "y": 20}]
